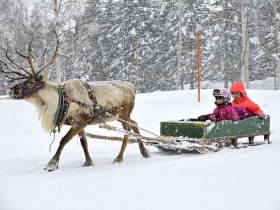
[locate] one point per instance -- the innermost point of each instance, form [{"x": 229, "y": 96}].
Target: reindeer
[{"x": 72, "y": 103}]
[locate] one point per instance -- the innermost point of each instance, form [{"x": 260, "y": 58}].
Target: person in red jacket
[{"x": 240, "y": 99}]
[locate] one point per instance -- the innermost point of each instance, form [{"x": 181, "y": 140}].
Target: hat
[{"x": 222, "y": 93}]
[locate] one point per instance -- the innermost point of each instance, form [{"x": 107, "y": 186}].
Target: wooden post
[{"x": 198, "y": 65}]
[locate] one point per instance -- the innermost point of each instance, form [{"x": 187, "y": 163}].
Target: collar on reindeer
[
  {"x": 27, "y": 92},
  {"x": 62, "y": 108}
]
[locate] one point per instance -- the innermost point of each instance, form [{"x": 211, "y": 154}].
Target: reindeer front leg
[
  {"x": 119, "y": 158},
  {"x": 74, "y": 130}
]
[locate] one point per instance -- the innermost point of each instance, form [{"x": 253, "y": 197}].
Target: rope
[
  {"x": 134, "y": 125},
  {"x": 53, "y": 131}
]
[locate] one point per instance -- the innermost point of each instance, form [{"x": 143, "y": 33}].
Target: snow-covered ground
[{"x": 231, "y": 179}]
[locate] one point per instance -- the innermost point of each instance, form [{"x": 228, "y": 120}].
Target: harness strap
[
  {"x": 90, "y": 93},
  {"x": 62, "y": 107},
  {"x": 82, "y": 104},
  {"x": 27, "y": 92},
  {"x": 97, "y": 109}
]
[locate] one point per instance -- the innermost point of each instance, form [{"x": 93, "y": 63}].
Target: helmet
[{"x": 223, "y": 93}]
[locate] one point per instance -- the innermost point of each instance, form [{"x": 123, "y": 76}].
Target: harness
[
  {"x": 63, "y": 105},
  {"x": 27, "y": 92}
]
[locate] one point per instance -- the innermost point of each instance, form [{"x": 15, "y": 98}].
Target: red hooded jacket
[{"x": 244, "y": 101}]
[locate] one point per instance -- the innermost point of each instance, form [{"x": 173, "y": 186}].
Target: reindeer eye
[{"x": 32, "y": 82}]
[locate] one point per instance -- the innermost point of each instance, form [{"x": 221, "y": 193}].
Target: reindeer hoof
[
  {"x": 145, "y": 153},
  {"x": 118, "y": 160},
  {"x": 88, "y": 163},
  {"x": 51, "y": 166}
]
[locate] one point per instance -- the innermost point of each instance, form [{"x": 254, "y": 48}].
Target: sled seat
[{"x": 225, "y": 130}]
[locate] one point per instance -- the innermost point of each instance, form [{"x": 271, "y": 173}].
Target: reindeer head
[
  {"x": 28, "y": 86},
  {"x": 32, "y": 80}
]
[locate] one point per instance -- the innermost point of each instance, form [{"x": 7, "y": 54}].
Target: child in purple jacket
[{"x": 224, "y": 110}]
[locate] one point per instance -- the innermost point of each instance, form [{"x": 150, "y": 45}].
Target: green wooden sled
[{"x": 210, "y": 131}]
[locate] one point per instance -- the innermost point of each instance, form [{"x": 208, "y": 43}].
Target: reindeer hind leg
[{"x": 144, "y": 151}]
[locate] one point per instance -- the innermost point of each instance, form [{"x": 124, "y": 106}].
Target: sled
[
  {"x": 209, "y": 132},
  {"x": 194, "y": 136}
]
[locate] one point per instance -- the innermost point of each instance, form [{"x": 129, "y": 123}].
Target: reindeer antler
[
  {"x": 9, "y": 69},
  {"x": 17, "y": 65},
  {"x": 31, "y": 59},
  {"x": 56, "y": 54}
]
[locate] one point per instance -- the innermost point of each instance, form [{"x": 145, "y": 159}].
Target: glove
[
  {"x": 261, "y": 115},
  {"x": 212, "y": 117},
  {"x": 202, "y": 118}
]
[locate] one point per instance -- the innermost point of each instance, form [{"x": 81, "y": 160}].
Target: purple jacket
[
  {"x": 223, "y": 112},
  {"x": 244, "y": 113}
]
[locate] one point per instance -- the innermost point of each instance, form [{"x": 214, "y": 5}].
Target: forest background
[{"x": 146, "y": 42}]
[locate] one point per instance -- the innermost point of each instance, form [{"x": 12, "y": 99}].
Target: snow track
[{"x": 232, "y": 179}]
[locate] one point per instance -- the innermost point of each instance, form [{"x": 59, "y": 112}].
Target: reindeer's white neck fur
[{"x": 46, "y": 102}]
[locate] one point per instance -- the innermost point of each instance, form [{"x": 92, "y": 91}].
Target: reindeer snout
[
  {"x": 13, "y": 92},
  {"x": 9, "y": 92}
]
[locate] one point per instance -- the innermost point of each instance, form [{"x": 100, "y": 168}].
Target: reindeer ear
[{"x": 45, "y": 77}]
